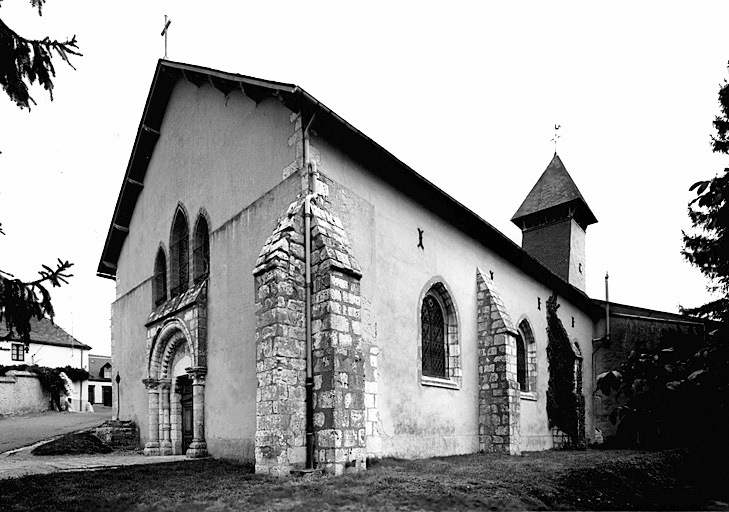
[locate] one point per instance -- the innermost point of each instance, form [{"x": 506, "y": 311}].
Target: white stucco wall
[
  {"x": 418, "y": 420},
  {"x": 223, "y": 156}
]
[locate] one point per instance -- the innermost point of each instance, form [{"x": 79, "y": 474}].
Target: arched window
[
  {"x": 435, "y": 353},
  {"x": 201, "y": 251},
  {"x": 440, "y": 351},
  {"x": 179, "y": 255},
  {"x": 526, "y": 358},
  {"x": 521, "y": 365},
  {"x": 160, "y": 278}
]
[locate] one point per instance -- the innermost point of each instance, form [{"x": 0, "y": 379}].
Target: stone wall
[
  {"x": 498, "y": 400},
  {"x": 280, "y": 350},
  {"x": 338, "y": 421},
  {"x": 21, "y": 393},
  {"x": 119, "y": 434}
]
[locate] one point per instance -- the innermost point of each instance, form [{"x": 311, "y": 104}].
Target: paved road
[{"x": 16, "y": 432}]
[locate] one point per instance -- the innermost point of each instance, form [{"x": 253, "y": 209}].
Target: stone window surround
[
  {"x": 159, "y": 284},
  {"x": 527, "y": 334},
  {"x": 179, "y": 262},
  {"x": 163, "y": 261},
  {"x": 201, "y": 248},
  {"x": 436, "y": 287}
]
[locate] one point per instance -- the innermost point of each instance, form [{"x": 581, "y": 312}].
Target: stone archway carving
[{"x": 164, "y": 424}]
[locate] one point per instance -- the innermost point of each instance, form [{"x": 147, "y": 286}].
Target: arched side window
[
  {"x": 179, "y": 255},
  {"x": 521, "y": 364},
  {"x": 526, "y": 358},
  {"x": 201, "y": 250},
  {"x": 160, "y": 278},
  {"x": 435, "y": 348},
  {"x": 440, "y": 362}
]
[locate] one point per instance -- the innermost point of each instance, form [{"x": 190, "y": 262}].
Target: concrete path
[
  {"x": 19, "y": 435},
  {"x": 17, "y": 463},
  {"x": 19, "y": 431}
]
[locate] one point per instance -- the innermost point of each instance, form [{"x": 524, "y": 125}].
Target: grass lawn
[{"x": 589, "y": 480}]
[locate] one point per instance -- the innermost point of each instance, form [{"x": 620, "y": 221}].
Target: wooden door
[
  {"x": 106, "y": 396},
  {"x": 186, "y": 400}
]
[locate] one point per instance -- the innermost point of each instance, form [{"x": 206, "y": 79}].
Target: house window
[
  {"x": 526, "y": 360},
  {"x": 107, "y": 373},
  {"x": 160, "y": 278},
  {"x": 440, "y": 355},
  {"x": 201, "y": 251},
  {"x": 17, "y": 352},
  {"x": 179, "y": 255},
  {"x": 433, "y": 338}
]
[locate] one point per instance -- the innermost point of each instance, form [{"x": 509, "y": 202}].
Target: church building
[{"x": 289, "y": 292}]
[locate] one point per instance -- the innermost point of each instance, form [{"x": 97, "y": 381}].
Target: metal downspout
[
  {"x": 308, "y": 314},
  {"x": 597, "y": 344}
]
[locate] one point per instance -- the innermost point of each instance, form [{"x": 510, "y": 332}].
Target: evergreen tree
[
  {"x": 20, "y": 301},
  {"x": 25, "y": 61},
  {"x": 708, "y": 249}
]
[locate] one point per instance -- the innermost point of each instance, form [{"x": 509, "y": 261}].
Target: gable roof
[
  {"x": 553, "y": 189},
  {"x": 334, "y": 129},
  {"x": 97, "y": 364},
  {"x": 45, "y": 332}
]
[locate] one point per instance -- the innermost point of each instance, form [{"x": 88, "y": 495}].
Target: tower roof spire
[{"x": 554, "y": 196}]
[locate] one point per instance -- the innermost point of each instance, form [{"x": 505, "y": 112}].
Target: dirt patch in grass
[
  {"x": 591, "y": 480},
  {"x": 82, "y": 443}
]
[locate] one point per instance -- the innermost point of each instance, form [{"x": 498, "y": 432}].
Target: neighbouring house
[
  {"x": 49, "y": 346},
  {"x": 289, "y": 292},
  {"x": 98, "y": 387}
]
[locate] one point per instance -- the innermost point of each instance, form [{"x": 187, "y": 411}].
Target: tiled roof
[
  {"x": 554, "y": 188},
  {"x": 96, "y": 363},
  {"x": 46, "y": 332}
]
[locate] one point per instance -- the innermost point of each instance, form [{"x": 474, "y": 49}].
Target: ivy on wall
[
  {"x": 561, "y": 399},
  {"x": 50, "y": 378}
]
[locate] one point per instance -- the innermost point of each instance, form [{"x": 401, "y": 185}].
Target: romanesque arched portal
[{"x": 175, "y": 360}]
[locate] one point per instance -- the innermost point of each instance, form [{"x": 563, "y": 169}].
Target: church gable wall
[
  {"x": 230, "y": 383},
  {"x": 215, "y": 152},
  {"x": 417, "y": 420}
]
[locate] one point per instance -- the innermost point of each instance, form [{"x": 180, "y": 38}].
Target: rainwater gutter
[
  {"x": 597, "y": 344},
  {"x": 311, "y": 193}
]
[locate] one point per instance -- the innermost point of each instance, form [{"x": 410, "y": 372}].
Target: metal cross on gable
[
  {"x": 556, "y": 136},
  {"x": 164, "y": 33}
]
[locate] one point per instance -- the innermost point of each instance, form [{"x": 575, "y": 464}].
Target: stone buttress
[
  {"x": 498, "y": 398},
  {"x": 338, "y": 394}
]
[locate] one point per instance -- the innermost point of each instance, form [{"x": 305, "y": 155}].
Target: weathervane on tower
[
  {"x": 164, "y": 33},
  {"x": 556, "y": 136}
]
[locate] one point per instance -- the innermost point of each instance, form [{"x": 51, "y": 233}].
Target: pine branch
[
  {"x": 25, "y": 61},
  {"x": 19, "y": 301}
]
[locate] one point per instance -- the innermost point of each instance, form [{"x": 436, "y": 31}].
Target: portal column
[
  {"x": 165, "y": 447},
  {"x": 152, "y": 446},
  {"x": 198, "y": 448}
]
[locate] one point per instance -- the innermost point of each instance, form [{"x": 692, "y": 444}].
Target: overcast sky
[{"x": 465, "y": 93}]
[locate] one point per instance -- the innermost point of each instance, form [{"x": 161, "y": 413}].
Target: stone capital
[
  {"x": 197, "y": 374},
  {"x": 151, "y": 384}
]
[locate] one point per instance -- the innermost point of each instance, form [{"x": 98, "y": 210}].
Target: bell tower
[{"x": 553, "y": 219}]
